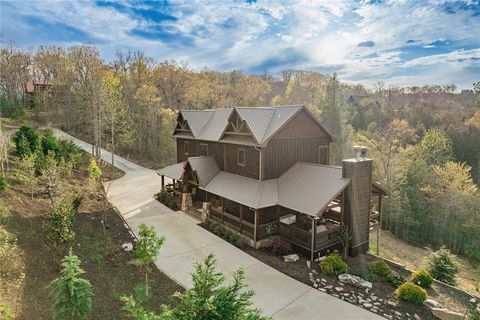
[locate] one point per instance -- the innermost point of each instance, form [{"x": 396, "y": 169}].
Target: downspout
[{"x": 260, "y": 167}]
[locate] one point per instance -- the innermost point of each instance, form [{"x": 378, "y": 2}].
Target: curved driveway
[{"x": 275, "y": 293}]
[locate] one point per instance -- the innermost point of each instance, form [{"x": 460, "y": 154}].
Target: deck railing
[{"x": 303, "y": 238}]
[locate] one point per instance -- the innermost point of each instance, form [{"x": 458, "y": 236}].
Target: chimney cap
[{"x": 361, "y": 151}]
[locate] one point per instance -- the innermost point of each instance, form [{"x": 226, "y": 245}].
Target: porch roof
[
  {"x": 306, "y": 187},
  {"x": 309, "y": 187},
  {"x": 175, "y": 171},
  {"x": 247, "y": 191},
  {"x": 205, "y": 167}
]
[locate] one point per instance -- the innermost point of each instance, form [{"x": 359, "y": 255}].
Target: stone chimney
[{"x": 357, "y": 198}]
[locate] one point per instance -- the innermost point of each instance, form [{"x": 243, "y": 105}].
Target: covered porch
[{"x": 171, "y": 177}]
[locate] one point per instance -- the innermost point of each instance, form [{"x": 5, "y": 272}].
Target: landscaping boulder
[
  {"x": 433, "y": 303},
  {"x": 445, "y": 314},
  {"x": 354, "y": 281},
  {"x": 128, "y": 246},
  {"x": 291, "y": 258}
]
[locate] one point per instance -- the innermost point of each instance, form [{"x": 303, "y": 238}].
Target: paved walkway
[{"x": 275, "y": 293}]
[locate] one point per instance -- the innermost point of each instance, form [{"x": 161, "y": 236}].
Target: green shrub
[
  {"x": 333, "y": 265},
  {"x": 26, "y": 140},
  {"x": 58, "y": 223},
  {"x": 240, "y": 242},
  {"x": 473, "y": 313},
  {"x": 380, "y": 268},
  {"x": 412, "y": 293},
  {"x": 396, "y": 280},
  {"x": 69, "y": 151},
  {"x": 366, "y": 274},
  {"x": 422, "y": 278},
  {"x": 94, "y": 171},
  {"x": 49, "y": 142},
  {"x": 3, "y": 183},
  {"x": 442, "y": 266}
]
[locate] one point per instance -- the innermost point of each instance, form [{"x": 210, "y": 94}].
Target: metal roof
[
  {"x": 279, "y": 118},
  {"x": 309, "y": 187},
  {"x": 263, "y": 122},
  {"x": 205, "y": 167},
  {"x": 175, "y": 171},
  {"x": 212, "y": 131},
  {"x": 249, "y": 192},
  {"x": 197, "y": 119},
  {"x": 306, "y": 187}
]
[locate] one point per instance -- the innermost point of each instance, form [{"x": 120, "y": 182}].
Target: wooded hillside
[{"x": 425, "y": 140}]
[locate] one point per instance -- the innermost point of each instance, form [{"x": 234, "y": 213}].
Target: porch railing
[{"x": 303, "y": 238}]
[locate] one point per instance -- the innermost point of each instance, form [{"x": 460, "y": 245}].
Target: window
[
  {"x": 203, "y": 149},
  {"x": 186, "y": 147},
  {"x": 241, "y": 157}
]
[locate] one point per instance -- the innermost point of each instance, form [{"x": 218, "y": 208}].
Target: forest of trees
[{"x": 424, "y": 140}]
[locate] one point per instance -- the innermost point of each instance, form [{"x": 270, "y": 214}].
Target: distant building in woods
[
  {"x": 265, "y": 171},
  {"x": 45, "y": 91}
]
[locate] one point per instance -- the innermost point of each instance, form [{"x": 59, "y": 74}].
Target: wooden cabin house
[{"x": 265, "y": 171}]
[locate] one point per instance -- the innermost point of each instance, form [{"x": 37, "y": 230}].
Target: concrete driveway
[{"x": 275, "y": 293}]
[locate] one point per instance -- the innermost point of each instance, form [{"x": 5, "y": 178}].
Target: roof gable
[{"x": 255, "y": 125}]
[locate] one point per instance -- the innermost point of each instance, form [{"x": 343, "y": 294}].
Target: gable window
[
  {"x": 203, "y": 149},
  {"x": 241, "y": 157},
  {"x": 186, "y": 147}
]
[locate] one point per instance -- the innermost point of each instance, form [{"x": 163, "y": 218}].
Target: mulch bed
[{"x": 381, "y": 299}]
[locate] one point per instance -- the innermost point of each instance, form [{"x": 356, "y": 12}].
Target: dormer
[
  {"x": 182, "y": 129},
  {"x": 237, "y": 131}
]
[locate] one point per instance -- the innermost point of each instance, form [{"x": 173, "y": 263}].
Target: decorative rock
[
  {"x": 308, "y": 264},
  {"x": 367, "y": 305},
  {"x": 328, "y": 287},
  {"x": 398, "y": 313},
  {"x": 416, "y": 316},
  {"x": 315, "y": 285},
  {"x": 322, "y": 289},
  {"x": 391, "y": 303},
  {"x": 128, "y": 246},
  {"x": 377, "y": 304},
  {"x": 291, "y": 258},
  {"x": 314, "y": 271},
  {"x": 445, "y": 314},
  {"x": 323, "y": 280},
  {"x": 374, "y": 298},
  {"x": 433, "y": 303},
  {"x": 355, "y": 281},
  {"x": 387, "y": 316},
  {"x": 338, "y": 289},
  {"x": 346, "y": 294}
]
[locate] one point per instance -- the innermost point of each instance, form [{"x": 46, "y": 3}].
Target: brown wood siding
[
  {"x": 214, "y": 149},
  {"x": 302, "y": 125},
  {"x": 252, "y": 161},
  {"x": 281, "y": 154},
  {"x": 193, "y": 152}
]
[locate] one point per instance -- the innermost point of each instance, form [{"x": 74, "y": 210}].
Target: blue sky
[{"x": 399, "y": 42}]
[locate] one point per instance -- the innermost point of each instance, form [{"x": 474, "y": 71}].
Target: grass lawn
[
  {"x": 416, "y": 257},
  {"x": 107, "y": 265}
]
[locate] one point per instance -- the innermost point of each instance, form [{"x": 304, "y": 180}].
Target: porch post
[
  {"x": 255, "y": 229},
  {"x": 380, "y": 211},
  {"x": 163, "y": 182},
  {"x": 221, "y": 204},
  {"x": 241, "y": 218},
  {"x": 314, "y": 231},
  {"x": 278, "y": 214}
]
